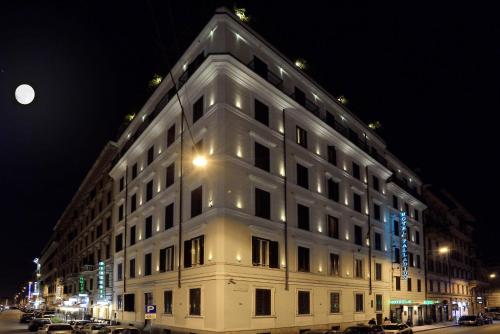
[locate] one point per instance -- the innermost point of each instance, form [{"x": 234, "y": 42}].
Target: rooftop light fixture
[
  {"x": 342, "y": 99},
  {"x": 301, "y": 63},
  {"x": 130, "y": 117},
  {"x": 241, "y": 13},
  {"x": 374, "y": 125},
  {"x": 156, "y": 80}
]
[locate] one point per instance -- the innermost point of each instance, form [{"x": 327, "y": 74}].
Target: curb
[{"x": 431, "y": 329}]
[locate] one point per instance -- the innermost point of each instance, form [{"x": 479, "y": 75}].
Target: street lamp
[
  {"x": 443, "y": 250},
  {"x": 493, "y": 275},
  {"x": 200, "y": 161}
]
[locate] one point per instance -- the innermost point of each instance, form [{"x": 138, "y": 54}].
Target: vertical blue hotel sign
[
  {"x": 100, "y": 281},
  {"x": 404, "y": 245}
]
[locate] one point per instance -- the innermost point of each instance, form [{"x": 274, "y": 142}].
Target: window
[
  {"x": 119, "y": 272},
  {"x": 151, "y": 154},
  {"x": 119, "y": 242},
  {"x": 194, "y": 251},
  {"x": 303, "y": 259},
  {"x": 132, "y": 235},
  {"x": 333, "y": 190},
  {"x": 358, "y": 268},
  {"x": 409, "y": 283},
  {"x": 120, "y": 213},
  {"x": 376, "y": 183},
  {"x": 358, "y": 235},
  {"x": 407, "y": 209},
  {"x": 198, "y": 109},
  {"x": 419, "y": 285},
  {"x": 196, "y": 201},
  {"x": 417, "y": 237},
  {"x": 355, "y": 170},
  {"x": 332, "y": 155},
  {"x": 411, "y": 258},
  {"x": 398, "y": 283},
  {"x": 262, "y": 204},
  {"x": 418, "y": 260},
  {"x": 378, "y": 271},
  {"x": 333, "y": 226},
  {"x": 415, "y": 214},
  {"x": 129, "y": 302},
  {"x": 334, "y": 302},
  {"x": 167, "y": 259},
  {"x": 376, "y": 212},
  {"x": 171, "y": 135},
  {"x": 301, "y": 136},
  {"x": 262, "y": 302},
  {"x": 122, "y": 183},
  {"x": 334, "y": 264},
  {"x": 265, "y": 252},
  {"x": 359, "y": 302},
  {"x": 119, "y": 302},
  {"x": 302, "y": 217},
  {"x": 304, "y": 302},
  {"x": 133, "y": 203},
  {"x": 378, "y": 241},
  {"x": 149, "y": 190},
  {"x": 395, "y": 203},
  {"x": 167, "y": 301},
  {"x": 357, "y": 202},
  {"x": 170, "y": 177},
  {"x": 131, "y": 268},
  {"x": 134, "y": 171},
  {"x": 169, "y": 216},
  {"x": 195, "y": 301},
  {"x": 147, "y": 264},
  {"x": 262, "y": 160},
  {"x": 302, "y": 176},
  {"x": 396, "y": 228},
  {"x": 261, "y": 112},
  {"x": 148, "y": 227},
  {"x": 396, "y": 255},
  {"x": 378, "y": 303}
]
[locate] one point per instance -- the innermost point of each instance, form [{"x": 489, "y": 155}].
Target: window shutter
[
  {"x": 255, "y": 251},
  {"x": 187, "y": 254},
  {"x": 202, "y": 249},
  {"x": 273, "y": 254}
]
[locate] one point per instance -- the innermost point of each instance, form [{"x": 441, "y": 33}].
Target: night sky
[{"x": 430, "y": 75}]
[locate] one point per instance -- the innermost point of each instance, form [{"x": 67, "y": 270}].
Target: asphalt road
[{"x": 9, "y": 323}]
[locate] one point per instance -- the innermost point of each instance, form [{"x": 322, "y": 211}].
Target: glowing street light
[
  {"x": 200, "y": 161},
  {"x": 444, "y": 250},
  {"x": 493, "y": 275}
]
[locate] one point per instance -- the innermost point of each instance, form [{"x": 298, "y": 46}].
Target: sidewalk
[{"x": 424, "y": 328}]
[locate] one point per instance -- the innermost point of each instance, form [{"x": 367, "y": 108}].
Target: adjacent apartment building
[
  {"x": 76, "y": 264},
  {"x": 259, "y": 203}
]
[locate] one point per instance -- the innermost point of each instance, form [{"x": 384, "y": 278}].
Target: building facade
[
  {"x": 76, "y": 265},
  {"x": 259, "y": 203}
]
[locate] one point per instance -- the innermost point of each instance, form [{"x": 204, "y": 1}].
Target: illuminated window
[
  {"x": 301, "y": 136},
  {"x": 194, "y": 251},
  {"x": 166, "y": 259},
  {"x": 265, "y": 252}
]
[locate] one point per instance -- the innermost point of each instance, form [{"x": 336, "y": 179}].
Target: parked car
[
  {"x": 56, "y": 329},
  {"x": 120, "y": 330},
  {"x": 397, "y": 328},
  {"x": 78, "y": 324},
  {"x": 323, "y": 331},
  {"x": 486, "y": 319},
  {"x": 91, "y": 328},
  {"x": 37, "y": 323},
  {"x": 377, "y": 329},
  {"x": 493, "y": 315},
  {"x": 361, "y": 329},
  {"x": 26, "y": 318},
  {"x": 470, "y": 320}
]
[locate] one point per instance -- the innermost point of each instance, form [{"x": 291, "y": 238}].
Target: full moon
[{"x": 24, "y": 94}]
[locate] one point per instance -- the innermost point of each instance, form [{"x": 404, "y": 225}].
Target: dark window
[
  {"x": 357, "y": 202},
  {"x": 196, "y": 201},
  {"x": 302, "y": 176},
  {"x": 171, "y": 135},
  {"x": 147, "y": 264},
  {"x": 395, "y": 202},
  {"x": 265, "y": 252},
  {"x": 198, "y": 109},
  {"x": 358, "y": 268},
  {"x": 376, "y": 212},
  {"x": 333, "y": 227},
  {"x": 378, "y": 271},
  {"x": 378, "y": 303},
  {"x": 301, "y": 136},
  {"x": 262, "y": 160},
  {"x": 419, "y": 285},
  {"x": 131, "y": 268},
  {"x": 119, "y": 272},
  {"x": 149, "y": 227},
  {"x": 262, "y": 302},
  {"x": 132, "y": 235},
  {"x": 333, "y": 190},
  {"x": 355, "y": 170},
  {"x": 398, "y": 283},
  {"x": 262, "y": 203},
  {"x": 261, "y": 112},
  {"x": 359, "y": 302},
  {"x": 303, "y": 217},
  {"x": 304, "y": 302},
  {"x": 411, "y": 259},
  {"x": 378, "y": 241},
  {"x": 122, "y": 183},
  {"x": 332, "y": 155},
  {"x": 120, "y": 213},
  {"x": 409, "y": 283},
  {"x": 169, "y": 216},
  {"x": 407, "y": 209},
  {"x": 260, "y": 67},
  {"x": 396, "y": 255},
  {"x": 358, "y": 235},
  {"x": 133, "y": 203},
  {"x": 134, "y": 171},
  {"x": 195, "y": 301},
  {"x": 194, "y": 251},
  {"x": 151, "y": 154},
  {"x": 376, "y": 183},
  {"x": 415, "y": 214},
  {"x": 167, "y": 259},
  {"x": 334, "y": 264},
  {"x": 108, "y": 223},
  {"x": 119, "y": 242},
  {"x": 170, "y": 177},
  {"x": 334, "y": 302},
  {"x": 167, "y": 301},
  {"x": 303, "y": 259},
  {"x": 417, "y": 237},
  {"x": 418, "y": 261},
  {"x": 396, "y": 227},
  {"x": 129, "y": 302},
  {"x": 149, "y": 190}
]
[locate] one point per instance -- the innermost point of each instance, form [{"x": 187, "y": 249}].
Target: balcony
[
  {"x": 403, "y": 185},
  {"x": 88, "y": 267},
  {"x": 270, "y": 77},
  {"x": 308, "y": 104}
]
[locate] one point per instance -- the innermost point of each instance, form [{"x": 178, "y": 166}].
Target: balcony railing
[
  {"x": 403, "y": 185},
  {"x": 308, "y": 104},
  {"x": 88, "y": 267},
  {"x": 272, "y": 78}
]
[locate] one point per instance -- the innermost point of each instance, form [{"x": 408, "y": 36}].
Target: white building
[{"x": 262, "y": 243}]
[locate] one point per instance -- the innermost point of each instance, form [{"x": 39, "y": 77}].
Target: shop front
[{"x": 407, "y": 311}]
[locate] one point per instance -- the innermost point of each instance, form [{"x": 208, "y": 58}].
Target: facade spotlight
[{"x": 200, "y": 161}]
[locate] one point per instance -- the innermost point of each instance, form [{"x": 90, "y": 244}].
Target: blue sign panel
[
  {"x": 150, "y": 309},
  {"x": 404, "y": 245}
]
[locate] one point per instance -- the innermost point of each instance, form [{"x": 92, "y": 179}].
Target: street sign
[{"x": 150, "y": 312}]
